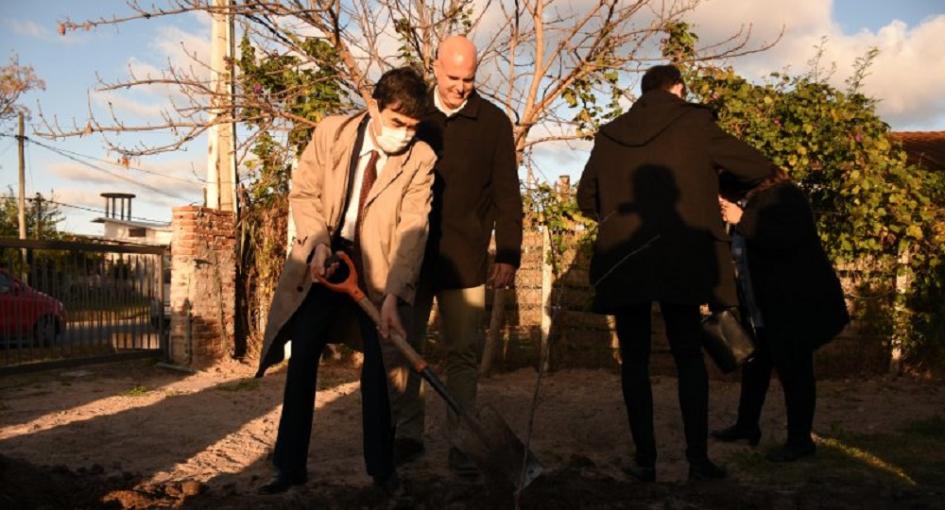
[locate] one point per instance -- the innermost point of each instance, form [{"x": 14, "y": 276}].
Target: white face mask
[{"x": 393, "y": 140}]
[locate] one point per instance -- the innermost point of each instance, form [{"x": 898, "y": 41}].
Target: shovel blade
[{"x": 489, "y": 441}]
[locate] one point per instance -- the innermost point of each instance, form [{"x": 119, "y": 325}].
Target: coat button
[{"x": 300, "y": 288}]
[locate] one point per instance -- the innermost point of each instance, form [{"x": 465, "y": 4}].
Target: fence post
[
  {"x": 164, "y": 333},
  {"x": 547, "y": 284},
  {"x": 900, "y": 310}
]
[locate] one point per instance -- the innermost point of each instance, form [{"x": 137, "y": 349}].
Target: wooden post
[
  {"x": 547, "y": 285},
  {"x": 21, "y": 198},
  {"x": 38, "y": 207}
]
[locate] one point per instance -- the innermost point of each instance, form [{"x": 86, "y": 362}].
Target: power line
[
  {"x": 81, "y": 207},
  {"x": 72, "y": 155},
  {"x": 109, "y": 172},
  {"x": 128, "y": 167}
]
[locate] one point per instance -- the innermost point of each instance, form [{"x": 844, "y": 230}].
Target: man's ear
[
  {"x": 677, "y": 90},
  {"x": 375, "y": 113}
]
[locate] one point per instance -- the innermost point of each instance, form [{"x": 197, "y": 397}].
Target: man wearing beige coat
[{"x": 362, "y": 186}]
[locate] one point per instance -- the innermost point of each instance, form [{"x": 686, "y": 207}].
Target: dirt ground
[{"x": 135, "y": 435}]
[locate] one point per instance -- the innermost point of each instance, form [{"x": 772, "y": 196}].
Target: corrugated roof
[{"x": 924, "y": 148}]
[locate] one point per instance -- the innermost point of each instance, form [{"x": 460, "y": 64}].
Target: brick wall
[{"x": 203, "y": 274}]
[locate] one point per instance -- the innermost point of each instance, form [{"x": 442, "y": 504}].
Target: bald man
[{"x": 475, "y": 191}]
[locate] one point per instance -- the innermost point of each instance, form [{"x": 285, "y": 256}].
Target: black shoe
[
  {"x": 706, "y": 470},
  {"x": 407, "y": 450},
  {"x": 390, "y": 484},
  {"x": 642, "y": 473},
  {"x": 280, "y": 483},
  {"x": 736, "y": 433},
  {"x": 462, "y": 465},
  {"x": 791, "y": 453}
]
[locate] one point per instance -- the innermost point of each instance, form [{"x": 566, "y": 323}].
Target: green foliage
[
  {"x": 290, "y": 84},
  {"x": 872, "y": 206},
  {"x": 42, "y": 217},
  {"x": 679, "y": 45},
  {"x": 42, "y": 222},
  {"x": 305, "y": 90},
  {"x": 558, "y": 213}
]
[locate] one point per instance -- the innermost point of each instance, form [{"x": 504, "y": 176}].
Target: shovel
[{"x": 486, "y": 438}]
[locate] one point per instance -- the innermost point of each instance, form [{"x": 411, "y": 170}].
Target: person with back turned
[
  {"x": 362, "y": 187},
  {"x": 652, "y": 182}
]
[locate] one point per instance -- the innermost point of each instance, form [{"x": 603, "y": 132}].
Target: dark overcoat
[
  {"x": 652, "y": 182},
  {"x": 796, "y": 289},
  {"x": 476, "y": 189}
]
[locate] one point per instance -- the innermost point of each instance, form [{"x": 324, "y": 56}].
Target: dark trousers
[
  {"x": 309, "y": 329},
  {"x": 795, "y": 366},
  {"x": 685, "y": 341}
]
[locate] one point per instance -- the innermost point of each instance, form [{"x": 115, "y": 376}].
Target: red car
[{"x": 27, "y": 314}]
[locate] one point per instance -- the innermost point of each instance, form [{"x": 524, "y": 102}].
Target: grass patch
[
  {"x": 245, "y": 384},
  {"x": 137, "y": 391},
  {"x": 912, "y": 457}
]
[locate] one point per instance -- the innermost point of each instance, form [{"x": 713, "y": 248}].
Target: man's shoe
[
  {"x": 407, "y": 450},
  {"x": 736, "y": 433},
  {"x": 706, "y": 470},
  {"x": 461, "y": 464},
  {"x": 390, "y": 484},
  {"x": 280, "y": 483},
  {"x": 642, "y": 473},
  {"x": 791, "y": 453}
]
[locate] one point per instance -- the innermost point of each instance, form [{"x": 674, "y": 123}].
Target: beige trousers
[{"x": 461, "y": 314}]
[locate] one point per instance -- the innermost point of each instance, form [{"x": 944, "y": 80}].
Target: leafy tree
[
  {"x": 303, "y": 94},
  {"x": 42, "y": 217},
  {"x": 875, "y": 211}
]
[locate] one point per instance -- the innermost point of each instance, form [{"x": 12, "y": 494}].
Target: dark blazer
[
  {"x": 652, "y": 181},
  {"x": 795, "y": 286},
  {"x": 475, "y": 188}
]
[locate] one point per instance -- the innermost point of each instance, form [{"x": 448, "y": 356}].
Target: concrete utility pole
[{"x": 221, "y": 164}]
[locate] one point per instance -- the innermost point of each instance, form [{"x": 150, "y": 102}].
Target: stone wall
[
  {"x": 203, "y": 275},
  {"x": 583, "y": 339}
]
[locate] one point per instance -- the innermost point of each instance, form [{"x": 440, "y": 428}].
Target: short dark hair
[
  {"x": 661, "y": 77},
  {"x": 404, "y": 91}
]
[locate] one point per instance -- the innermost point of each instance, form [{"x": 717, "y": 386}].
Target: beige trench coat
[{"x": 393, "y": 230}]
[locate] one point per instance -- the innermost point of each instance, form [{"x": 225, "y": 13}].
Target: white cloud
[
  {"x": 78, "y": 197},
  {"x": 126, "y": 104},
  {"x": 907, "y": 77},
  {"x": 174, "y": 176},
  {"x": 28, "y": 28},
  {"x": 184, "y": 50}
]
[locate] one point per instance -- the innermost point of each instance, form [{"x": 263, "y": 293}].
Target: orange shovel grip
[{"x": 349, "y": 286}]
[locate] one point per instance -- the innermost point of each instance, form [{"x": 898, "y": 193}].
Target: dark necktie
[{"x": 370, "y": 175}]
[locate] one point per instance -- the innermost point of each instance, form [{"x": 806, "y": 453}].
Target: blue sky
[{"x": 69, "y": 65}]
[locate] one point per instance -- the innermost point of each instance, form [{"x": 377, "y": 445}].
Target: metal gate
[{"x": 66, "y": 302}]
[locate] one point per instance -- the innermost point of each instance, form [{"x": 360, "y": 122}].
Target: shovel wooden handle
[{"x": 350, "y": 287}]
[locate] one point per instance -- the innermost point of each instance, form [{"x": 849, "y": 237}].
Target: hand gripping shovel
[{"x": 486, "y": 439}]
